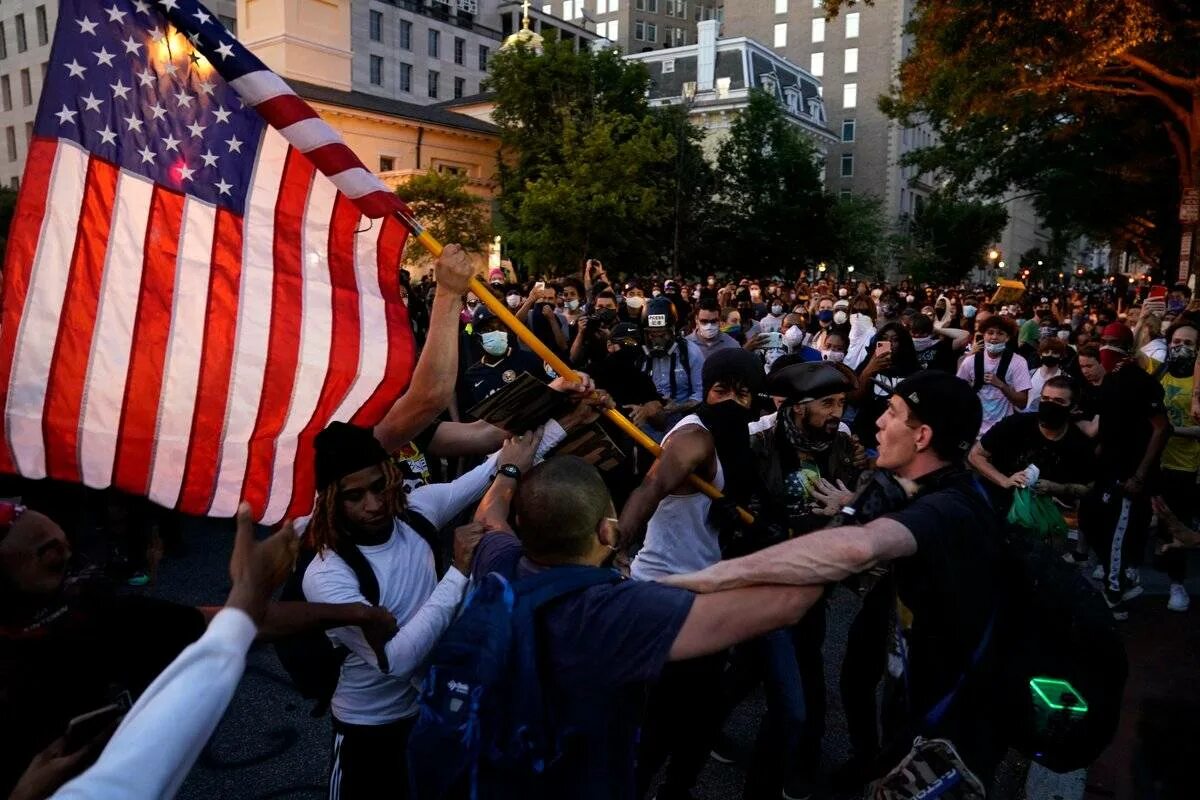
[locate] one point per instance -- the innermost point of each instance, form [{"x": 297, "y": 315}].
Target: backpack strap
[
  {"x": 671, "y": 374},
  {"x": 685, "y": 358},
  {"x": 430, "y": 533},
  {"x": 1001, "y": 369},
  {"x": 536, "y": 590},
  {"x": 368, "y": 583},
  {"x": 977, "y": 383}
]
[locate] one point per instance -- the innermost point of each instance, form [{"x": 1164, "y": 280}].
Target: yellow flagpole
[{"x": 557, "y": 364}]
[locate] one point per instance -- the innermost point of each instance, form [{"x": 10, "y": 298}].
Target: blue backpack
[{"x": 481, "y": 702}]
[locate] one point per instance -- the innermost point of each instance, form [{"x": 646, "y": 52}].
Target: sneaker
[
  {"x": 1179, "y": 598},
  {"x": 138, "y": 579},
  {"x": 726, "y": 751},
  {"x": 1071, "y": 557},
  {"x": 1099, "y": 573},
  {"x": 1117, "y": 607},
  {"x": 1133, "y": 591}
]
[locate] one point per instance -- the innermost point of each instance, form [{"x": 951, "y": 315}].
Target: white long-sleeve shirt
[{"x": 162, "y": 735}]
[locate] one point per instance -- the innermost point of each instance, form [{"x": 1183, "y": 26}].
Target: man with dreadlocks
[
  {"x": 369, "y": 544},
  {"x": 680, "y": 535}
]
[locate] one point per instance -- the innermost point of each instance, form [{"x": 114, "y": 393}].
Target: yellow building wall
[{"x": 415, "y": 147}]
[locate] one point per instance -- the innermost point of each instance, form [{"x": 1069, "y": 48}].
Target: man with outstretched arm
[{"x": 943, "y": 546}]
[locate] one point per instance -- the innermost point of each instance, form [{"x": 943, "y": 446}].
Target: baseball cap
[
  {"x": 801, "y": 383},
  {"x": 733, "y": 365},
  {"x": 660, "y": 313},
  {"x": 948, "y": 405},
  {"x": 625, "y": 333}
]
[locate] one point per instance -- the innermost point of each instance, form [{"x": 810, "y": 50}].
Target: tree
[
  {"x": 771, "y": 211},
  {"x": 8, "y": 204},
  {"x": 858, "y": 234},
  {"x": 1024, "y": 90},
  {"x": 592, "y": 170},
  {"x": 448, "y": 210},
  {"x": 948, "y": 237}
]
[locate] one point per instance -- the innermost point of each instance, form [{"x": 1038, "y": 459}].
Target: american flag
[{"x": 200, "y": 274}]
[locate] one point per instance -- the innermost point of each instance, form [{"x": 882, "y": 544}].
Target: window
[
  {"x": 376, "y": 26},
  {"x": 643, "y": 5},
  {"x": 781, "y": 34},
  {"x": 612, "y": 31},
  {"x": 483, "y": 57},
  {"x": 847, "y": 165},
  {"x": 818, "y": 29},
  {"x": 386, "y": 163},
  {"x": 45, "y": 66},
  {"x": 847, "y": 130},
  {"x": 816, "y": 64},
  {"x": 818, "y": 4},
  {"x": 405, "y": 35},
  {"x": 781, "y": 6},
  {"x": 10, "y": 134},
  {"x": 548, "y": 9},
  {"x": 405, "y": 77},
  {"x": 14, "y": 182},
  {"x": 3, "y": 42},
  {"x": 6, "y": 92},
  {"x": 229, "y": 22},
  {"x": 568, "y": 10},
  {"x": 852, "y": 25},
  {"x": 22, "y": 44},
  {"x": 435, "y": 42},
  {"x": 845, "y": 193},
  {"x": 651, "y": 32},
  {"x": 850, "y": 63},
  {"x": 377, "y": 70},
  {"x": 460, "y": 50},
  {"x": 460, "y": 87},
  {"x": 433, "y": 83},
  {"x": 639, "y": 30},
  {"x": 26, "y": 89},
  {"x": 601, "y": 6},
  {"x": 28, "y": 134},
  {"x": 43, "y": 29},
  {"x": 850, "y": 95},
  {"x": 614, "y": 5}
]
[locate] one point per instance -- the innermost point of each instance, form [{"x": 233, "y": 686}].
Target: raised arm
[
  {"x": 432, "y": 385},
  {"x": 822, "y": 557},
  {"x": 685, "y": 451}
]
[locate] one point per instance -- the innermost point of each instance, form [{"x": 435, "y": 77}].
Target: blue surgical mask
[{"x": 495, "y": 343}]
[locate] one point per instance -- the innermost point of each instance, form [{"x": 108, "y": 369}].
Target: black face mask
[
  {"x": 1047, "y": 361},
  {"x": 1181, "y": 360},
  {"x": 1052, "y": 415},
  {"x": 727, "y": 422}
]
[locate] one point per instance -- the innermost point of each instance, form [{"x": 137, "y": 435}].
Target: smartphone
[
  {"x": 883, "y": 347},
  {"x": 978, "y": 339},
  {"x": 85, "y": 727},
  {"x": 774, "y": 340},
  {"x": 539, "y": 285}
]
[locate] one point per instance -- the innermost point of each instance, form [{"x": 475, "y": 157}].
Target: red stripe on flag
[
  {"x": 343, "y": 348},
  {"x": 399, "y": 332},
  {"x": 379, "y": 204},
  {"x": 24, "y": 233},
  {"x": 333, "y": 158},
  {"x": 285, "y": 109},
  {"x": 69, "y": 366},
  {"x": 216, "y": 364},
  {"x": 151, "y": 331},
  {"x": 287, "y": 300}
]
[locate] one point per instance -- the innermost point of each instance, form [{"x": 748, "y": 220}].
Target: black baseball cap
[
  {"x": 625, "y": 333},
  {"x": 812, "y": 380},
  {"x": 948, "y": 405}
]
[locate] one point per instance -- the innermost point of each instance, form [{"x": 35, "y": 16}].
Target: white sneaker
[
  {"x": 1099, "y": 572},
  {"x": 1179, "y": 598}
]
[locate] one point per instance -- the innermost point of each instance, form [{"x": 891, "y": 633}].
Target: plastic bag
[{"x": 1036, "y": 513}]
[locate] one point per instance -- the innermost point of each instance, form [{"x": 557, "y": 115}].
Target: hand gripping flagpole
[{"x": 546, "y": 354}]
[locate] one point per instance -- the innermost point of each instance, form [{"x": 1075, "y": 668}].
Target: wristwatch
[{"x": 509, "y": 471}]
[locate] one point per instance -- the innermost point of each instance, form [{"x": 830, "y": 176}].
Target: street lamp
[
  {"x": 821, "y": 267},
  {"x": 993, "y": 254},
  {"x": 1001, "y": 265},
  {"x": 850, "y": 268}
]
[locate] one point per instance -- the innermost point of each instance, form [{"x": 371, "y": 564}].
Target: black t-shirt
[
  {"x": 484, "y": 379},
  {"x": 602, "y": 645},
  {"x": 626, "y": 382},
  {"x": 1015, "y": 442},
  {"x": 951, "y": 588},
  {"x": 81, "y": 660},
  {"x": 1127, "y": 399},
  {"x": 940, "y": 356}
]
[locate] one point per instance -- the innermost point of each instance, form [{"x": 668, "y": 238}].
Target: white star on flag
[
  {"x": 146, "y": 78},
  {"x": 104, "y": 57},
  {"x": 185, "y": 172},
  {"x": 115, "y": 14},
  {"x": 184, "y": 99},
  {"x": 132, "y": 46},
  {"x": 209, "y": 159},
  {"x": 76, "y": 68},
  {"x": 87, "y": 26},
  {"x": 225, "y": 50},
  {"x": 169, "y": 5},
  {"x": 206, "y": 87},
  {"x": 196, "y": 129},
  {"x": 204, "y": 18},
  {"x": 142, "y": 6},
  {"x": 147, "y": 155},
  {"x": 119, "y": 89},
  {"x": 66, "y": 115},
  {"x": 133, "y": 123},
  {"x": 171, "y": 143},
  {"x": 221, "y": 114},
  {"x": 158, "y": 111},
  {"x": 223, "y": 187},
  {"x": 235, "y": 146},
  {"x": 108, "y": 135},
  {"x": 92, "y": 102}
]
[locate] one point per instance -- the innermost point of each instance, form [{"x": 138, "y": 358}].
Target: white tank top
[{"x": 679, "y": 538}]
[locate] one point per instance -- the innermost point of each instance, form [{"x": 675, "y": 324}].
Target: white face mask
[
  {"x": 839, "y": 317},
  {"x": 843, "y": 292},
  {"x": 708, "y": 330},
  {"x": 776, "y": 310},
  {"x": 836, "y": 356},
  {"x": 495, "y": 343},
  {"x": 513, "y": 300},
  {"x": 995, "y": 348},
  {"x": 634, "y": 302},
  {"x": 572, "y": 305},
  {"x": 794, "y": 336}
]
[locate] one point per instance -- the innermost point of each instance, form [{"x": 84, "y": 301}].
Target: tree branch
[
  {"x": 1158, "y": 73},
  {"x": 1183, "y": 155},
  {"x": 1144, "y": 90}
]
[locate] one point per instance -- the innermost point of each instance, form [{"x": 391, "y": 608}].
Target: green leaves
[{"x": 444, "y": 205}]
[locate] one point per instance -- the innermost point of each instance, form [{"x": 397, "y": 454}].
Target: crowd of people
[{"x": 882, "y": 438}]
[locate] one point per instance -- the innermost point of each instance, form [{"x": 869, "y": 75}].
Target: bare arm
[
  {"x": 685, "y": 451},
  {"x": 1158, "y": 441},
  {"x": 432, "y": 385},
  {"x": 717, "y": 621},
  {"x": 981, "y": 460},
  {"x": 287, "y": 618},
  {"x": 454, "y": 439},
  {"x": 822, "y": 557}
]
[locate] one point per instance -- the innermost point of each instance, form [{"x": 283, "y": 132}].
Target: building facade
[
  {"x": 636, "y": 26},
  {"x": 713, "y": 78}
]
